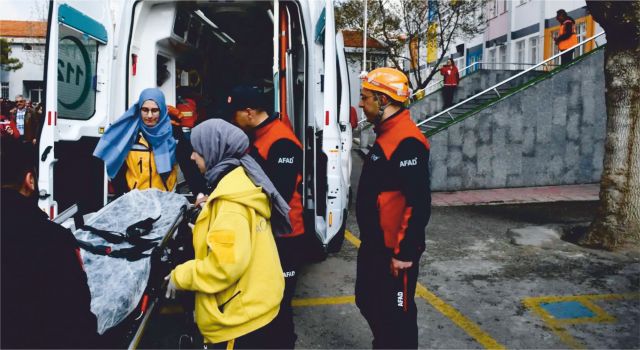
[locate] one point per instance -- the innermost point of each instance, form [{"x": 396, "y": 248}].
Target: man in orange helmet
[{"x": 393, "y": 207}]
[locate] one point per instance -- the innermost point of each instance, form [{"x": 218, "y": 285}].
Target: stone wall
[{"x": 549, "y": 134}]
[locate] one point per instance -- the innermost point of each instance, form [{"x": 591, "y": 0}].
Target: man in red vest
[
  {"x": 567, "y": 36},
  {"x": 393, "y": 207},
  {"x": 279, "y": 152}
]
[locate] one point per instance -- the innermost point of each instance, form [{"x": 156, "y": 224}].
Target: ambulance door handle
[{"x": 45, "y": 154}]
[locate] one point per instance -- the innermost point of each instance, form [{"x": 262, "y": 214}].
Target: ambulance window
[
  {"x": 181, "y": 24},
  {"x": 162, "y": 70},
  {"x": 77, "y": 58}
]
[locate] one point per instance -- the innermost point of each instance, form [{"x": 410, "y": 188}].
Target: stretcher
[{"x": 127, "y": 248}]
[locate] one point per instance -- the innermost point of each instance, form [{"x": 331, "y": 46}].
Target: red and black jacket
[
  {"x": 394, "y": 197},
  {"x": 451, "y": 75},
  {"x": 276, "y": 148}
]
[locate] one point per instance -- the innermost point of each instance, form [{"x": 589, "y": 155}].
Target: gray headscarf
[{"x": 223, "y": 145}]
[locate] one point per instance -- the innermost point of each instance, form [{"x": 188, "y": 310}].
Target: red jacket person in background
[
  {"x": 393, "y": 207},
  {"x": 279, "y": 152},
  {"x": 451, "y": 79}
]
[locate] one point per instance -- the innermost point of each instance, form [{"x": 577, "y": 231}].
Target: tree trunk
[{"x": 618, "y": 220}]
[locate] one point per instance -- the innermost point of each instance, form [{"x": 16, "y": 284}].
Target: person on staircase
[
  {"x": 451, "y": 79},
  {"x": 567, "y": 37}
]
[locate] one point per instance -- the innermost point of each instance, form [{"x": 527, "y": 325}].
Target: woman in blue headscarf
[{"x": 141, "y": 140}]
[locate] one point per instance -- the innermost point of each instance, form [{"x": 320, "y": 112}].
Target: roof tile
[{"x": 23, "y": 29}]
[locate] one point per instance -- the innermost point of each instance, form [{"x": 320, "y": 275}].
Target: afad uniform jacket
[
  {"x": 236, "y": 273},
  {"x": 394, "y": 198},
  {"x": 279, "y": 153}
]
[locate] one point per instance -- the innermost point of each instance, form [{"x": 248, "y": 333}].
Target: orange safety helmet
[{"x": 388, "y": 81}]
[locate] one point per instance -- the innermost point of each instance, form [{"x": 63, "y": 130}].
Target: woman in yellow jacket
[{"x": 236, "y": 273}]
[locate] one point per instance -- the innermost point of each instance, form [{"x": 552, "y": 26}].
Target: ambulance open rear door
[
  {"x": 78, "y": 64},
  {"x": 332, "y": 145}
]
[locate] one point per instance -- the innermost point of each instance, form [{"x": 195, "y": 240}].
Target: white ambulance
[{"x": 101, "y": 55}]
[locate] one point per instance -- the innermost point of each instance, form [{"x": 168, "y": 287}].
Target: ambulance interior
[{"x": 202, "y": 49}]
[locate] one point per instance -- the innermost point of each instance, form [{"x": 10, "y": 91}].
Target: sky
[{"x": 23, "y": 10}]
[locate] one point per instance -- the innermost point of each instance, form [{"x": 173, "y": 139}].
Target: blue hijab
[{"x": 115, "y": 144}]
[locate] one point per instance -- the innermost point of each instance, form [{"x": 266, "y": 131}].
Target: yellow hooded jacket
[{"x": 236, "y": 273}]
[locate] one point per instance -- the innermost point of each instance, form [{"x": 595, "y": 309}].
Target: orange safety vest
[
  {"x": 572, "y": 40},
  {"x": 265, "y": 137}
]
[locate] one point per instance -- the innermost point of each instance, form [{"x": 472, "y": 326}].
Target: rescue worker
[
  {"x": 236, "y": 273},
  {"x": 393, "y": 207},
  {"x": 46, "y": 301},
  {"x": 567, "y": 36},
  {"x": 277, "y": 149},
  {"x": 141, "y": 140}
]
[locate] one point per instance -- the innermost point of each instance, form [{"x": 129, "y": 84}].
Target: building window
[
  {"x": 5, "y": 90},
  {"x": 492, "y": 8},
  {"x": 533, "y": 45},
  {"x": 27, "y": 47},
  {"x": 581, "y": 33},
  {"x": 504, "y": 6},
  {"x": 520, "y": 54},
  {"x": 35, "y": 95},
  {"x": 492, "y": 59},
  {"x": 503, "y": 56},
  {"x": 554, "y": 35}
]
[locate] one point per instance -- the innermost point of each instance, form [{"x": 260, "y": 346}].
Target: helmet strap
[{"x": 381, "y": 108}]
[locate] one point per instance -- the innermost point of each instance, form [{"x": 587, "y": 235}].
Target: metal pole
[
  {"x": 364, "y": 40},
  {"x": 364, "y": 142}
]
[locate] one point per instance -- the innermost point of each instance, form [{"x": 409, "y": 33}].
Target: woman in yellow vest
[
  {"x": 567, "y": 37},
  {"x": 236, "y": 274},
  {"x": 139, "y": 147}
]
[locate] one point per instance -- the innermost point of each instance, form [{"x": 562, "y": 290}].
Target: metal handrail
[
  {"x": 494, "y": 87},
  {"x": 442, "y": 80}
]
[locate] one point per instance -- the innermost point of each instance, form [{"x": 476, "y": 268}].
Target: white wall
[
  {"x": 32, "y": 69},
  {"x": 551, "y": 6},
  {"x": 526, "y": 12}
]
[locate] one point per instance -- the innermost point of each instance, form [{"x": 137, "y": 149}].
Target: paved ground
[
  {"x": 543, "y": 194},
  {"x": 477, "y": 289}
]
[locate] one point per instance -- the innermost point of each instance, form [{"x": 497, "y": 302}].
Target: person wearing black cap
[
  {"x": 567, "y": 37},
  {"x": 277, "y": 149}
]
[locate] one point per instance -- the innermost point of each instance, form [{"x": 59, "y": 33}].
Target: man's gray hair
[{"x": 19, "y": 96}]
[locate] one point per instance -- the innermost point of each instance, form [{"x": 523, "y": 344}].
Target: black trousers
[
  {"x": 386, "y": 302},
  {"x": 259, "y": 339},
  {"x": 290, "y": 251},
  {"x": 566, "y": 57},
  {"x": 447, "y": 95}
]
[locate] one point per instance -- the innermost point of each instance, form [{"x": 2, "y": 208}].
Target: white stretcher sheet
[{"x": 117, "y": 284}]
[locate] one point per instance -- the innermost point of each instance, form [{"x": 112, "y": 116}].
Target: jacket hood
[{"x": 237, "y": 187}]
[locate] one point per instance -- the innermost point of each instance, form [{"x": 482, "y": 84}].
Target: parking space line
[
  {"x": 557, "y": 325},
  {"x": 467, "y": 325},
  {"x": 556, "y": 328},
  {"x": 348, "y": 299}
]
